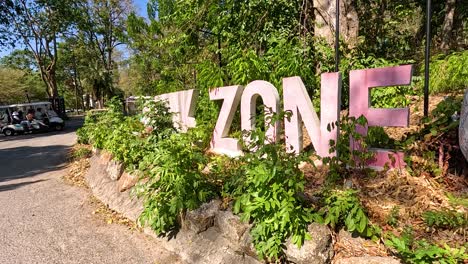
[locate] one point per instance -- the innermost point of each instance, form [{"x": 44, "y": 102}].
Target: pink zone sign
[{"x": 297, "y": 100}]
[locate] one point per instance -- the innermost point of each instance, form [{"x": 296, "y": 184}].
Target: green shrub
[
  {"x": 421, "y": 251},
  {"x": 449, "y": 73},
  {"x": 173, "y": 181},
  {"x": 124, "y": 142},
  {"x": 91, "y": 119},
  {"x": 343, "y": 208},
  {"x": 81, "y": 152},
  {"x": 266, "y": 189},
  {"x": 446, "y": 219}
]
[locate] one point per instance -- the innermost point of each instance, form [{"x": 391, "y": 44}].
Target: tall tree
[
  {"x": 39, "y": 24},
  {"x": 447, "y": 26},
  {"x": 102, "y": 29}
]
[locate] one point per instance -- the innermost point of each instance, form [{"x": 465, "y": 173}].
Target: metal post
[
  {"x": 337, "y": 36},
  {"x": 27, "y": 97},
  {"x": 219, "y": 50},
  {"x": 426, "y": 57}
]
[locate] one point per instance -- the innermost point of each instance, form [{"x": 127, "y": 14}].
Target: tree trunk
[
  {"x": 325, "y": 15},
  {"x": 448, "y": 24},
  {"x": 53, "y": 83}
]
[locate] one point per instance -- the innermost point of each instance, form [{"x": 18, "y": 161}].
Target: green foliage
[
  {"x": 348, "y": 158},
  {"x": 455, "y": 201},
  {"x": 90, "y": 122},
  {"x": 81, "y": 152},
  {"x": 394, "y": 216},
  {"x": 102, "y": 124},
  {"x": 15, "y": 83},
  {"x": 450, "y": 73},
  {"x": 170, "y": 163},
  {"x": 391, "y": 28},
  {"x": 124, "y": 143},
  {"x": 174, "y": 182},
  {"x": 265, "y": 187},
  {"x": 342, "y": 208},
  {"x": 156, "y": 116},
  {"x": 446, "y": 219},
  {"x": 441, "y": 121},
  {"x": 419, "y": 252}
]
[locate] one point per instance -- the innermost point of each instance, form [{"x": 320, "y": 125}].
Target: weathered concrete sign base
[{"x": 208, "y": 234}]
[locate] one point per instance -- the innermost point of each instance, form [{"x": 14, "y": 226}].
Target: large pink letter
[
  {"x": 182, "y": 105},
  {"x": 360, "y": 82},
  {"x": 220, "y": 143},
  {"x": 297, "y": 100},
  {"x": 270, "y": 98}
]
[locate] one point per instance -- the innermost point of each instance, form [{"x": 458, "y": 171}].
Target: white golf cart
[{"x": 12, "y": 118}]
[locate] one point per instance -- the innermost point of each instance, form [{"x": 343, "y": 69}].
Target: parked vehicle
[
  {"x": 39, "y": 117},
  {"x": 10, "y": 130}
]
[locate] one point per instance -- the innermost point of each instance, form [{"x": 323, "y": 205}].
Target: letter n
[{"x": 297, "y": 100}]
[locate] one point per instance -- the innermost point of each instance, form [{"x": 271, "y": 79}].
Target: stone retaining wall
[{"x": 208, "y": 234}]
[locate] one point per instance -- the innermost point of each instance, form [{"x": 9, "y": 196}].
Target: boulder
[
  {"x": 114, "y": 169},
  {"x": 95, "y": 151},
  {"x": 368, "y": 260},
  {"x": 463, "y": 127},
  {"x": 348, "y": 244},
  {"x": 318, "y": 250},
  {"x": 230, "y": 226},
  {"x": 127, "y": 181},
  {"x": 105, "y": 157},
  {"x": 106, "y": 190},
  {"x": 202, "y": 218},
  {"x": 246, "y": 246}
]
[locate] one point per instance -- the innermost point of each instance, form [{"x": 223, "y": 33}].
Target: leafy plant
[
  {"x": 266, "y": 193},
  {"x": 421, "y": 251},
  {"x": 81, "y": 152},
  {"x": 343, "y": 208},
  {"x": 394, "y": 216},
  {"x": 445, "y": 219},
  {"x": 173, "y": 181},
  {"x": 449, "y": 73},
  {"x": 347, "y": 158},
  {"x": 156, "y": 117},
  {"x": 437, "y": 133}
]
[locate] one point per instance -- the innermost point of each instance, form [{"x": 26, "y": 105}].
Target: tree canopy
[{"x": 102, "y": 48}]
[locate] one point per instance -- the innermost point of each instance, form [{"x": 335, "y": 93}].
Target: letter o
[{"x": 270, "y": 97}]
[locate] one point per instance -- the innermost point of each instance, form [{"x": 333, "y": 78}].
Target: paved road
[{"x": 44, "y": 220}]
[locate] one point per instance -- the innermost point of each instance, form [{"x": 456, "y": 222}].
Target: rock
[
  {"x": 107, "y": 191},
  {"x": 368, "y": 260},
  {"x": 205, "y": 245},
  {"x": 347, "y": 245},
  {"x": 114, "y": 169},
  {"x": 318, "y": 250},
  {"x": 463, "y": 127},
  {"x": 105, "y": 157},
  {"x": 95, "y": 151},
  {"x": 230, "y": 226},
  {"x": 202, "y": 218},
  {"x": 246, "y": 245},
  {"x": 127, "y": 181}
]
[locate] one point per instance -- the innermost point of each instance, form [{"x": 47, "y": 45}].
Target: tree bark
[
  {"x": 325, "y": 17},
  {"x": 447, "y": 26}
]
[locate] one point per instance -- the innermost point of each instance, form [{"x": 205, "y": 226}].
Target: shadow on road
[
  {"x": 9, "y": 187},
  {"x": 25, "y": 161}
]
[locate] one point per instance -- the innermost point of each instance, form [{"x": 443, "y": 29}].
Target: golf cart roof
[{"x": 26, "y": 104}]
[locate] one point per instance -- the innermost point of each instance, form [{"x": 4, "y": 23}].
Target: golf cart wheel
[
  {"x": 58, "y": 127},
  {"x": 8, "y": 132}
]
